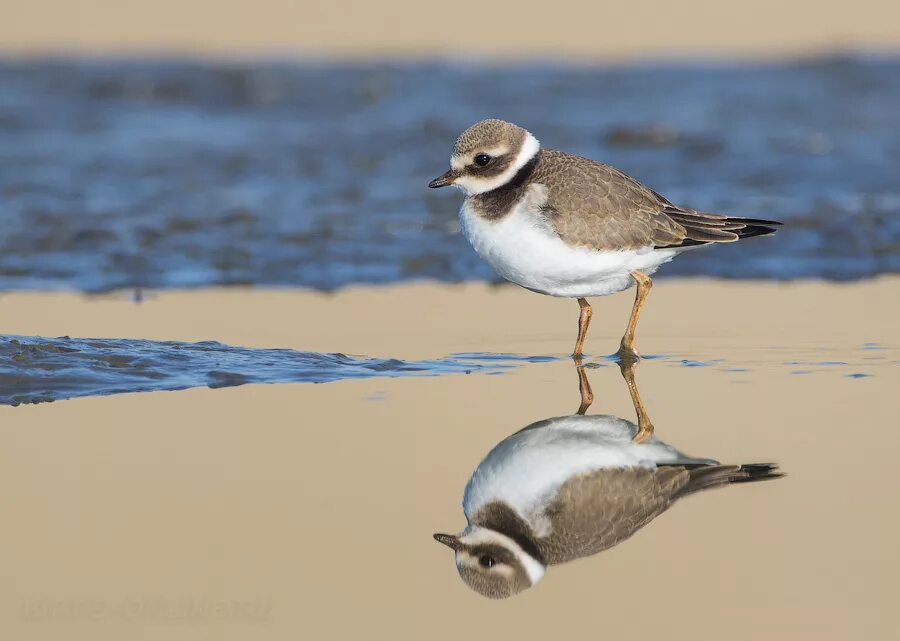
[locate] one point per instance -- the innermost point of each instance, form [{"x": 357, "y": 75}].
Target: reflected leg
[
  {"x": 584, "y": 319},
  {"x": 643, "y": 288},
  {"x": 645, "y": 427},
  {"x": 584, "y": 388}
]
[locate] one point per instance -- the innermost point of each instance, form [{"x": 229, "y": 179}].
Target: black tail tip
[
  {"x": 759, "y": 472},
  {"x": 758, "y": 229}
]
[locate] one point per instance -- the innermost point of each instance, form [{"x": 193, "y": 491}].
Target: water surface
[
  {"x": 307, "y": 511},
  {"x": 178, "y": 174},
  {"x": 35, "y": 369}
]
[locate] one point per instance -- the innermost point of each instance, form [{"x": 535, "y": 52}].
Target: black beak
[
  {"x": 449, "y": 540},
  {"x": 443, "y": 180}
]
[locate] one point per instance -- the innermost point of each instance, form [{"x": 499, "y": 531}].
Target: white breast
[
  {"x": 526, "y": 470},
  {"x": 523, "y": 248}
]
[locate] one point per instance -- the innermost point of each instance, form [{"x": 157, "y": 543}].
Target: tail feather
[
  {"x": 701, "y": 228},
  {"x": 710, "y": 476}
]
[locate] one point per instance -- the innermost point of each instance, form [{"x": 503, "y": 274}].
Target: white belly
[
  {"x": 526, "y": 469},
  {"x": 522, "y": 248}
]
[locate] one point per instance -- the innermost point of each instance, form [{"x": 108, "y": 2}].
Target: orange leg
[
  {"x": 584, "y": 319},
  {"x": 643, "y": 288},
  {"x": 645, "y": 427},
  {"x": 584, "y": 388}
]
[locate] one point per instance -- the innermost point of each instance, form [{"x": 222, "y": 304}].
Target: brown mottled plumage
[
  {"x": 596, "y": 511},
  {"x": 492, "y": 129},
  {"x": 569, "y": 487},
  {"x": 559, "y": 224},
  {"x": 593, "y": 205}
]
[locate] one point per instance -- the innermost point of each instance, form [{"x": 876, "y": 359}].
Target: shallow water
[
  {"x": 290, "y": 510},
  {"x": 169, "y": 174},
  {"x": 39, "y": 369},
  {"x": 278, "y": 511}
]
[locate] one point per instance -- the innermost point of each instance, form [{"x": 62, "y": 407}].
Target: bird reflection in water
[{"x": 568, "y": 487}]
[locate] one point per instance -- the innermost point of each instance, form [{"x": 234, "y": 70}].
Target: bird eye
[
  {"x": 482, "y": 159},
  {"x": 486, "y": 561}
]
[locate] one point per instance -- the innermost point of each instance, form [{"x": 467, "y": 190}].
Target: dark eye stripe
[{"x": 495, "y": 168}]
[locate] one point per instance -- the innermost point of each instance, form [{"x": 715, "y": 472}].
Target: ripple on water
[{"x": 37, "y": 369}]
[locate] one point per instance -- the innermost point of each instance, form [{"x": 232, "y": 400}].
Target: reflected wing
[{"x": 595, "y": 511}]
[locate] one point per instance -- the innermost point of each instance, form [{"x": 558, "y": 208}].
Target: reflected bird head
[{"x": 491, "y": 563}]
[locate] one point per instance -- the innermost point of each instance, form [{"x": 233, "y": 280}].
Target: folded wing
[{"x": 593, "y": 205}]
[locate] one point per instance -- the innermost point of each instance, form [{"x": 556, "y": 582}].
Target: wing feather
[
  {"x": 595, "y": 511},
  {"x": 593, "y": 205}
]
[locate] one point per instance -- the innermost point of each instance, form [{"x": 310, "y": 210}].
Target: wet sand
[
  {"x": 270, "y": 511},
  {"x": 429, "y": 320},
  {"x": 466, "y": 28}
]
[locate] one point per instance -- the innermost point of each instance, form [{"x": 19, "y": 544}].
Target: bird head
[
  {"x": 491, "y": 563},
  {"x": 487, "y": 156}
]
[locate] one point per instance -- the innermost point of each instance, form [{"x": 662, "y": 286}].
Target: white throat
[
  {"x": 473, "y": 185},
  {"x": 475, "y": 534}
]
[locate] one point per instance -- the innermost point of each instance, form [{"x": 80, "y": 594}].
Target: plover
[
  {"x": 567, "y": 226},
  {"x": 569, "y": 487}
]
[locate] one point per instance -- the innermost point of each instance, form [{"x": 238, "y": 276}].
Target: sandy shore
[
  {"x": 464, "y": 28},
  {"x": 277, "y": 511},
  {"x": 431, "y": 320}
]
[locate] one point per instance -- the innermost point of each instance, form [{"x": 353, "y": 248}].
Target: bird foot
[
  {"x": 627, "y": 354},
  {"x": 644, "y": 433}
]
